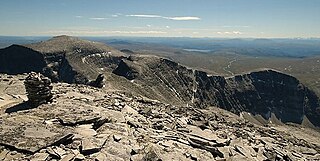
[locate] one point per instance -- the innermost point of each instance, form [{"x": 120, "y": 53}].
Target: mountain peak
[
  {"x": 65, "y": 37},
  {"x": 68, "y": 44}
]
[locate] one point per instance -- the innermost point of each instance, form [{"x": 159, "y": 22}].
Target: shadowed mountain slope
[{"x": 19, "y": 59}]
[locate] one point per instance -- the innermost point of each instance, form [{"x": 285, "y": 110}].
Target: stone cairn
[{"x": 38, "y": 89}]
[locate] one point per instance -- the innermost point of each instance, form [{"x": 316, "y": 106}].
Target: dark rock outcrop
[
  {"x": 128, "y": 69},
  {"x": 17, "y": 59},
  {"x": 99, "y": 82}
]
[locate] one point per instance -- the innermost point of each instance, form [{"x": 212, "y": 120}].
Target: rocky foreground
[{"x": 87, "y": 123}]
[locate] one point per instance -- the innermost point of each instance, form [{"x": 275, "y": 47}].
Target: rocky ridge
[
  {"x": 86, "y": 123},
  {"x": 266, "y": 93}
]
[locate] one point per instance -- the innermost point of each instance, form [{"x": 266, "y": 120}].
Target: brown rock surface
[{"x": 121, "y": 126}]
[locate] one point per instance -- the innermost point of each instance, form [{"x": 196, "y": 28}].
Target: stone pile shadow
[{"x": 19, "y": 107}]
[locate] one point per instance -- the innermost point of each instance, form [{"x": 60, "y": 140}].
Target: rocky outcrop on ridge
[
  {"x": 99, "y": 82},
  {"x": 87, "y": 123}
]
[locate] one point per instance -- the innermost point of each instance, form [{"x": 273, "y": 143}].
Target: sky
[{"x": 162, "y": 18}]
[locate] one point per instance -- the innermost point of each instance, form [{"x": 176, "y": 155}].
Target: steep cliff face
[{"x": 263, "y": 92}]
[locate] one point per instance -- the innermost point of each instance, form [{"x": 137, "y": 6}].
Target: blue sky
[{"x": 162, "y": 18}]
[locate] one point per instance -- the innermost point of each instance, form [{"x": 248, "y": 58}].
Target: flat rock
[
  {"x": 129, "y": 110},
  {"x": 117, "y": 149},
  {"x": 120, "y": 129},
  {"x": 29, "y": 134},
  {"x": 79, "y": 157},
  {"x": 206, "y": 134},
  {"x": 89, "y": 147},
  {"x": 85, "y": 130},
  {"x": 114, "y": 116},
  {"x": 68, "y": 157},
  {"x": 40, "y": 156},
  {"x": 69, "y": 112}
]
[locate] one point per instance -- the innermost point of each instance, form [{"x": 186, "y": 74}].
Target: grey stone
[
  {"x": 79, "y": 157},
  {"x": 68, "y": 157},
  {"x": 116, "y": 138},
  {"x": 88, "y": 147}
]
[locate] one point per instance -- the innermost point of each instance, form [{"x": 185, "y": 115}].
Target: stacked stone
[{"x": 38, "y": 89}]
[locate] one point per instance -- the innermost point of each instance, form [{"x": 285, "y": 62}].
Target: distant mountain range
[{"x": 297, "y": 47}]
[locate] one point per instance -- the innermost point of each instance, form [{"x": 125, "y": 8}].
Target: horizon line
[{"x": 133, "y": 36}]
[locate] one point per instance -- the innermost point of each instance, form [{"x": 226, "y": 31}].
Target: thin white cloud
[
  {"x": 237, "y": 32},
  {"x": 79, "y": 16},
  {"x": 148, "y": 25},
  {"x": 145, "y": 16},
  {"x": 183, "y": 18},
  {"x": 98, "y": 18},
  {"x": 229, "y": 33},
  {"x": 167, "y": 27},
  {"x": 116, "y": 15}
]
